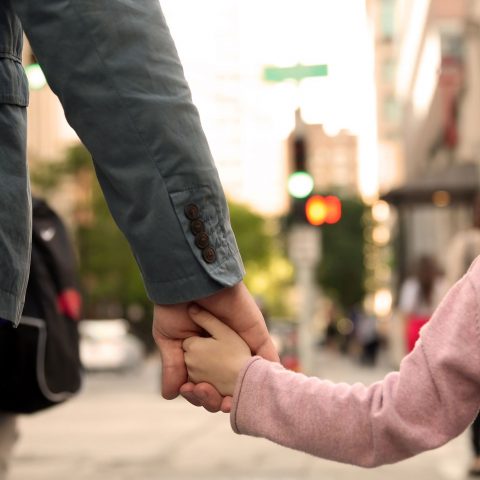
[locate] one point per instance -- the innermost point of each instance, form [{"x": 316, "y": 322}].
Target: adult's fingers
[
  {"x": 236, "y": 308},
  {"x": 186, "y": 390},
  {"x": 171, "y": 324},
  {"x": 174, "y": 371},
  {"x": 202, "y": 394},
  {"x": 268, "y": 351}
]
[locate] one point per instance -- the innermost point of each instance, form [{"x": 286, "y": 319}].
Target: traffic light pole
[
  {"x": 304, "y": 246},
  {"x": 304, "y": 240}
]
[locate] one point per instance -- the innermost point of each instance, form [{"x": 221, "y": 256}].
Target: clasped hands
[{"x": 173, "y": 324}]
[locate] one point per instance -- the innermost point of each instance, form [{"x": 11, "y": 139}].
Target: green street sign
[{"x": 297, "y": 72}]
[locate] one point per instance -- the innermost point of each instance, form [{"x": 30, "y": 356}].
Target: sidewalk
[{"x": 120, "y": 429}]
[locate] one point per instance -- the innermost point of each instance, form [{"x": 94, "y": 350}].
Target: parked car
[{"x": 108, "y": 345}]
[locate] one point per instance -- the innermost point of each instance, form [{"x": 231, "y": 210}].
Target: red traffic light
[
  {"x": 320, "y": 210},
  {"x": 316, "y": 210}
]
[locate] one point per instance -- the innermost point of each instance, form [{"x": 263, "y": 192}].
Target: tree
[
  {"x": 341, "y": 273},
  {"x": 269, "y": 273}
]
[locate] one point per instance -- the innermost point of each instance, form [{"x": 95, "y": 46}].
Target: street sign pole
[
  {"x": 304, "y": 250},
  {"x": 304, "y": 241}
]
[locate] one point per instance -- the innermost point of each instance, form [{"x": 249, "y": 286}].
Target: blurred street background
[{"x": 347, "y": 137}]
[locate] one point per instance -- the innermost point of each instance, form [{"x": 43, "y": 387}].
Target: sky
[
  {"x": 287, "y": 32},
  {"x": 284, "y": 33}
]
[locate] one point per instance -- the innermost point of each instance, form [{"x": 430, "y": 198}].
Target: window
[{"x": 387, "y": 19}]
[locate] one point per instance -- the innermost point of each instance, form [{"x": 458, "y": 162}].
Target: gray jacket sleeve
[
  {"x": 116, "y": 71},
  {"x": 15, "y": 207}
]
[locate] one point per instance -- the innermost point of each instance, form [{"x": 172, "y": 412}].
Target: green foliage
[
  {"x": 269, "y": 274},
  {"x": 47, "y": 176},
  {"x": 341, "y": 273},
  {"x": 250, "y": 231},
  {"x": 108, "y": 269}
]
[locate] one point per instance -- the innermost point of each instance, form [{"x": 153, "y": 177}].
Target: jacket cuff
[
  {"x": 192, "y": 288},
  {"x": 206, "y": 251}
]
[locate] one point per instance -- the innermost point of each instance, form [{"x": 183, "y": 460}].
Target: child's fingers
[{"x": 216, "y": 328}]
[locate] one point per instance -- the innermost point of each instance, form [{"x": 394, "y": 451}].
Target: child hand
[{"x": 217, "y": 359}]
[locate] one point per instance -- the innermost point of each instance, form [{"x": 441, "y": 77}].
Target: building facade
[
  {"x": 428, "y": 84},
  {"x": 332, "y": 160}
]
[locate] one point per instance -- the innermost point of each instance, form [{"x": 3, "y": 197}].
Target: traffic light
[
  {"x": 316, "y": 210},
  {"x": 307, "y": 207},
  {"x": 320, "y": 210},
  {"x": 300, "y": 182},
  {"x": 35, "y": 75}
]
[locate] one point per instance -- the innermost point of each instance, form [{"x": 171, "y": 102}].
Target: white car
[{"x": 107, "y": 345}]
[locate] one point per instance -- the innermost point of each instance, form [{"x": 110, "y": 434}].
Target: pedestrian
[
  {"x": 419, "y": 296},
  {"x": 44, "y": 350},
  {"x": 367, "y": 336},
  {"x": 432, "y": 398},
  {"x": 115, "y": 69},
  {"x": 461, "y": 252}
]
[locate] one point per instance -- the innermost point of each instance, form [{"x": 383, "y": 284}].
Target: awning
[{"x": 460, "y": 181}]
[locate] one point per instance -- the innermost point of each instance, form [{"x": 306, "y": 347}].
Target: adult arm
[
  {"x": 432, "y": 399},
  {"x": 15, "y": 206},
  {"x": 115, "y": 69}
]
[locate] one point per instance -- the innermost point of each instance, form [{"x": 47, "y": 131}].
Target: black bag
[{"x": 39, "y": 360}]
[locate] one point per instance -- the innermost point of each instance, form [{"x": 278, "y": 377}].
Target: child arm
[{"x": 432, "y": 399}]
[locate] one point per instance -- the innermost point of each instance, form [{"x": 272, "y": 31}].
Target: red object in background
[
  {"x": 69, "y": 303},
  {"x": 451, "y": 81},
  {"x": 316, "y": 210},
  {"x": 334, "y": 209},
  {"x": 414, "y": 324},
  {"x": 291, "y": 362},
  {"x": 320, "y": 210}
]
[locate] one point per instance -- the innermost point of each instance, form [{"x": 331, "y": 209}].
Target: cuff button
[
  {"x": 209, "y": 255},
  {"x": 197, "y": 226},
  {"x": 192, "y": 211},
  {"x": 202, "y": 240}
]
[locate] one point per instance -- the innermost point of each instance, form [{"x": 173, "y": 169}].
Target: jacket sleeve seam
[{"x": 10, "y": 56}]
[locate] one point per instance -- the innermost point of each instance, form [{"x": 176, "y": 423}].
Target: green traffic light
[
  {"x": 36, "y": 78},
  {"x": 300, "y": 184}
]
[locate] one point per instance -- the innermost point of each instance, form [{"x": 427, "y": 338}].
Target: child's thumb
[{"x": 209, "y": 322}]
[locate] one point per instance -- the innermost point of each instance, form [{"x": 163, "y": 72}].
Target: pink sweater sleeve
[{"x": 432, "y": 399}]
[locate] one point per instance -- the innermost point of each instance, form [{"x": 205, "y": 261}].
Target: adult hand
[{"x": 171, "y": 325}]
